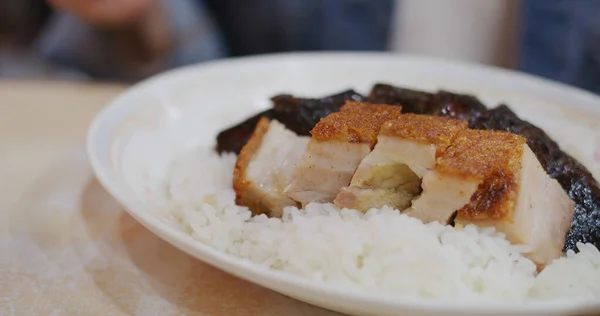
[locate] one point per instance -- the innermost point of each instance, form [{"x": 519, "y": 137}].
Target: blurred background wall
[
  {"x": 472, "y": 30},
  {"x": 128, "y": 40}
]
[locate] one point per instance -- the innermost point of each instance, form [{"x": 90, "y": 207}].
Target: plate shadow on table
[{"x": 134, "y": 254}]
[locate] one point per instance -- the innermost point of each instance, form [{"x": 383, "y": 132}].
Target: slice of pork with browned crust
[
  {"x": 339, "y": 143},
  {"x": 391, "y": 174},
  {"x": 527, "y": 205},
  {"x": 265, "y": 167},
  {"x": 493, "y": 179}
]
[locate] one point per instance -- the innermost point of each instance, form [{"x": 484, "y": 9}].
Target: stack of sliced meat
[
  {"x": 265, "y": 166},
  {"x": 339, "y": 143},
  {"x": 429, "y": 167}
]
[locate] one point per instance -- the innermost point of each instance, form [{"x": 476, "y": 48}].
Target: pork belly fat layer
[
  {"x": 324, "y": 169},
  {"x": 540, "y": 216},
  {"x": 339, "y": 143},
  {"x": 474, "y": 157},
  {"x": 407, "y": 147},
  {"x": 265, "y": 166},
  {"x": 494, "y": 179}
]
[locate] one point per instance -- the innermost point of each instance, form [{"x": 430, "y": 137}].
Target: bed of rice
[{"x": 381, "y": 252}]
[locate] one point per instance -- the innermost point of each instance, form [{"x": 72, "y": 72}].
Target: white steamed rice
[{"x": 380, "y": 252}]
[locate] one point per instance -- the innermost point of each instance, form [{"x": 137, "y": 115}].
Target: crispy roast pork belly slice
[
  {"x": 493, "y": 179},
  {"x": 391, "y": 174},
  {"x": 265, "y": 167},
  {"x": 473, "y": 157},
  {"x": 537, "y": 212},
  {"x": 339, "y": 143}
]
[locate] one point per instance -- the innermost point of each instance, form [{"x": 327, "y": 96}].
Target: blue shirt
[{"x": 560, "y": 40}]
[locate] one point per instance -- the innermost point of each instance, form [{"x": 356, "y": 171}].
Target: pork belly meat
[
  {"x": 572, "y": 175},
  {"x": 494, "y": 179},
  {"x": 301, "y": 114},
  {"x": 265, "y": 166},
  {"x": 339, "y": 143},
  {"x": 406, "y": 149}
]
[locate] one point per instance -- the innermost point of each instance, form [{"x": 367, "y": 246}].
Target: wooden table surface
[{"x": 67, "y": 248}]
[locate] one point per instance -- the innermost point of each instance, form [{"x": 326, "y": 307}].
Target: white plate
[{"x": 132, "y": 141}]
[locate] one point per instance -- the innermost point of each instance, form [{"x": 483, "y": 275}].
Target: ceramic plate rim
[{"x": 119, "y": 109}]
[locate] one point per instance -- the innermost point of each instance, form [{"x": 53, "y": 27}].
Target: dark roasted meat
[
  {"x": 412, "y": 101},
  {"x": 299, "y": 115},
  {"x": 233, "y": 139},
  {"x": 584, "y": 190},
  {"x": 442, "y": 103}
]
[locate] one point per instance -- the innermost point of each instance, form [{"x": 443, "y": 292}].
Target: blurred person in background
[
  {"x": 128, "y": 40},
  {"x": 560, "y": 40}
]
